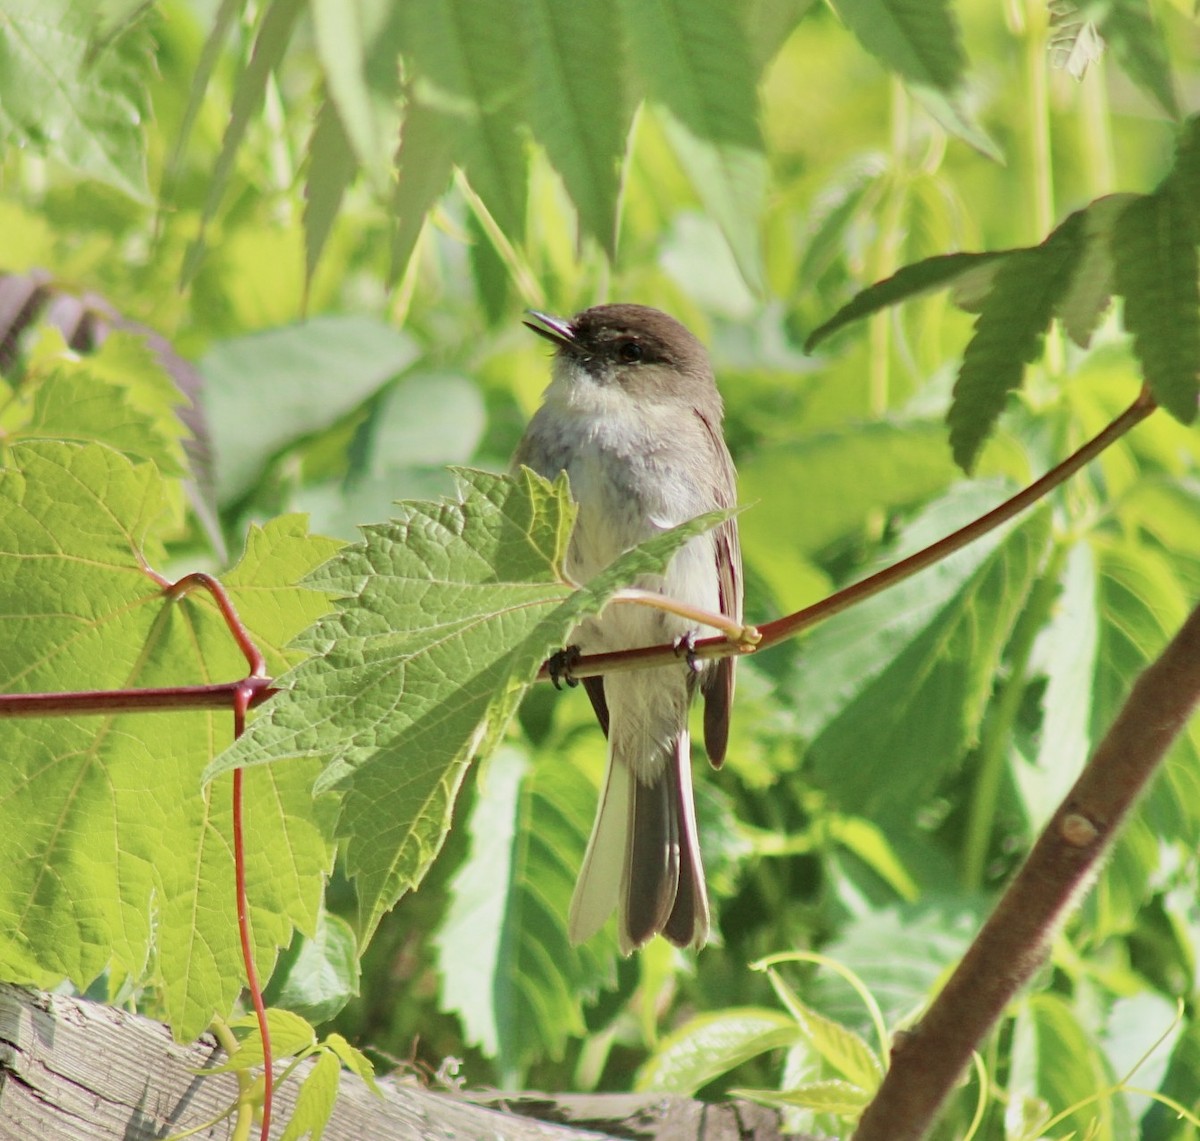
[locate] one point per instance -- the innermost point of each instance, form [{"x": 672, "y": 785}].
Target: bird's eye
[{"x": 630, "y": 352}]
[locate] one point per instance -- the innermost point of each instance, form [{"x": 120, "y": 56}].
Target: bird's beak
[{"x": 557, "y": 330}]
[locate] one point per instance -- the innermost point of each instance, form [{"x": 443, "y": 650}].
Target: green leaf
[
  {"x": 470, "y": 65},
  {"x": 268, "y": 390},
  {"x": 892, "y": 692},
  {"x": 54, "y": 100},
  {"x": 315, "y": 1100},
  {"x": 1090, "y": 290},
  {"x": 843, "y": 1099},
  {"x": 120, "y": 396},
  {"x": 1154, "y": 251},
  {"x": 901, "y": 953},
  {"x": 318, "y": 974},
  {"x": 1137, "y": 42},
  {"x": 354, "y": 1060},
  {"x": 697, "y": 64},
  {"x": 1058, "y": 1060},
  {"x": 1009, "y": 332},
  {"x": 507, "y": 967},
  {"x": 429, "y": 142},
  {"x": 341, "y": 40},
  {"x": 274, "y": 33},
  {"x": 332, "y": 165},
  {"x": 918, "y": 39},
  {"x": 290, "y": 1035},
  {"x": 910, "y": 281},
  {"x": 887, "y": 465},
  {"x": 577, "y": 105},
  {"x": 709, "y": 1045},
  {"x": 447, "y": 613},
  {"x": 86, "y": 802},
  {"x": 840, "y": 1047}
]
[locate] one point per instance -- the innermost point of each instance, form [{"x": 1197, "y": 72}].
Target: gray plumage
[{"x": 633, "y": 416}]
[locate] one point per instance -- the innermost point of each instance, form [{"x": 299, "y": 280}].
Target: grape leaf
[
  {"x": 116, "y": 855},
  {"x": 445, "y": 615},
  {"x": 56, "y": 100}
]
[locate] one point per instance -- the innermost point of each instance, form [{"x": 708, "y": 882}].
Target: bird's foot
[
  {"x": 685, "y": 646},
  {"x": 560, "y": 664}
]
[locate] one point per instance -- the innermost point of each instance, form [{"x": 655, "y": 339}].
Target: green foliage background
[{"x": 338, "y": 211}]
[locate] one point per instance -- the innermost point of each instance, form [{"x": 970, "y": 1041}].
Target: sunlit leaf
[
  {"x": 1009, "y": 332},
  {"x": 446, "y": 614},
  {"x": 710, "y": 1045}
]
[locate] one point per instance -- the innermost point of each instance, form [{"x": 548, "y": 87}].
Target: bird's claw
[
  {"x": 560, "y": 664},
  {"x": 685, "y": 645}
]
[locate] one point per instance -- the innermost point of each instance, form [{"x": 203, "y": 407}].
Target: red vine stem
[
  {"x": 591, "y": 665},
  {"x": 243, "y": 693},
  {"x": 241, "y": 702}
]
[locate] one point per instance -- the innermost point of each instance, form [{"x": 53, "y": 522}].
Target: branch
[
  {"x": 927, "y": 1061},
  {"x": 593, "y": 665}
]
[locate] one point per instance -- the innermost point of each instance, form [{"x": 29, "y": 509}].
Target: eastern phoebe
[{"x": 633, "y": 416}]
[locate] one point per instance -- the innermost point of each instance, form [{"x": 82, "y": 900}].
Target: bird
[{"x": 634, "y": 417}]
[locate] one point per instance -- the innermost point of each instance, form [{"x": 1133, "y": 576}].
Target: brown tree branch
[{"x": 927, "y": 1061}]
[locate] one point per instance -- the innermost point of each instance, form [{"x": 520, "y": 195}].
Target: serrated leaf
[
  {"x": 223, "y": 20},
  {"x": 918, "y": 39},
  {"x": 354, "y": 1060},
  {"x": 507, "y": 967},
  {"x": 59, "y": 102},
  {"x": 341, "y": 41},
  {"x": 83, "y": 611},
  {"x": 473, "y": 67},
  {"x": 891, "y": 693},
  {"x": 1075, "y": 42},
  {"x": 447, "y": 613},
  {"x": 332, "y": 165},
  {"x": 290, "y": 1035},
  {"x": 842, "y": 1099},
  {"x": 1009, "y": 332},
  {"x": 697, "y": 64},
  {"x": 429, "y": 141},
  {"x": 120, "y": 396},
  {"x": 315, "y": 1100},
  {"x": 1090, "y": 290},
  {"x": 577, "y": 105},
  {"x": 910, "y": 281},
  {"x": 274, "y": 33},
  {"x": 1137, "y": 42},
  {"x": 1156, "y": 267},
  {"x": 841, "y": 1048},
  {"x": 710, "y": 1045}
]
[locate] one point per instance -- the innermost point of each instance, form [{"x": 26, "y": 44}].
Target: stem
[
  {"x": 1011, "y": 946},
  {"x": 997, "y": 728},
  {"x": 107, "y": 701},
  {"x": 592, "y": 665},
  {"x": 241, "y": 702}
]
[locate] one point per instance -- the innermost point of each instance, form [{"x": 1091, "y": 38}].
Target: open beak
[{"x": 557, "y": 330}]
